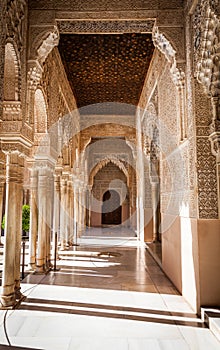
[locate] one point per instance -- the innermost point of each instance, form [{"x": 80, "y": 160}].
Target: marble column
[
  {"x": 83, "y": 208},
  {"x": 155, "y": 202},
  {"x": 1, "y": 205},
  {"x": 63, "y": 234},
  {"x": 67, "y": 213},
  {"x": 42, "y": 220},
  {"x": 33, "y": 219},
  {"x": 49, "y": 220},
  {"x": 80, "y": 214},
  {"x": 18, "y": 236},
  {"x": 2, "y": 187},
  {"x": 56, "y": 211},
  {"x": 76, "y": 212},
  {"x": 25, "y": 196},
  {"x": 89, "y": 206},
  {"x": 13, "y": 227},
  {"x": 70, "y": 213}
]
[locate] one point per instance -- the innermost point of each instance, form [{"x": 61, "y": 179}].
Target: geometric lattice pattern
[{"x": 106, "y": 67}]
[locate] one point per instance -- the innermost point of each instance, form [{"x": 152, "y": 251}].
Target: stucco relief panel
[{"x": 207, "y": 182}]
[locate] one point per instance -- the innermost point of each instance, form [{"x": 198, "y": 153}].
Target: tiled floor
[{"x": 108, "y": 294}]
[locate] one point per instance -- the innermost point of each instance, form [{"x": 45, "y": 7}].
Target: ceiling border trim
[{"x": 105, "y": 26}]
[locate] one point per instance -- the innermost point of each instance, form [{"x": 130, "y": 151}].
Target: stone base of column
[
  {"x": 49, "y": 265},
  {"x": 40, "y": 270},
  {"x": 64, "y": 245},
  {"x": 7, "y": 301},
  {"x": 31, "y": 267},
  {"x": 18, "y": 295}
]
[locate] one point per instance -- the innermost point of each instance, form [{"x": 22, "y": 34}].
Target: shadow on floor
[{"x": 102, "y": 310}]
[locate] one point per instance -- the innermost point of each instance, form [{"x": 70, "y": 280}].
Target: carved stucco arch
[
  {"x": 103, "y": 163},
  {"x": 167, "y": 48},
  {"x": 11, "y": 53}
]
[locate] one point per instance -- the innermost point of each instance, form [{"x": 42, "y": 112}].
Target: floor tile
[{"x": 108, "y": 294}]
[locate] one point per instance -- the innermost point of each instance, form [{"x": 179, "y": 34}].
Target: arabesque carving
[
  {"x": 14, "y": 18},
  {"x": 103, "y": 163},
  {"x": 208, "y": 65},
  {"x": 122, "y": 26},
  {"x": 161, "y": 42}
]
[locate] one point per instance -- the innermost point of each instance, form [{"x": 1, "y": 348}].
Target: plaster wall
[{"x": 190, "y": 258}]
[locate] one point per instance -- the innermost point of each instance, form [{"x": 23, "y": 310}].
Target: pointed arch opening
[
  {"x": 11, "y": 74},
  {"x": 111, "y": 208},
  {"x": 40, "y": 112}
]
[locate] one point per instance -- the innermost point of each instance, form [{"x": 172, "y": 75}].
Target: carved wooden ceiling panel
[{"x": 106, "y": 67}]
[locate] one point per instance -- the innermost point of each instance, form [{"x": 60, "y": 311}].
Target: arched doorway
[{"x": 111, "y": 208}]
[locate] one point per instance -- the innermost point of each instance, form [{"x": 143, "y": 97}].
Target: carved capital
[
  {"x": 11, "y": 144},
  {"x": 12, "y": 110}
]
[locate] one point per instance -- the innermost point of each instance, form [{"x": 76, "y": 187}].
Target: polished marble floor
[{"x": 109, "y": 293}]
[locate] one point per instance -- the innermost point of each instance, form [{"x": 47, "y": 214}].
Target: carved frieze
[
  {"x": 122, "y": 26},
  {"x": 9, "y": 146},
  {"x": 10, "y": 127},
  {"x": 103, "y": 5}
]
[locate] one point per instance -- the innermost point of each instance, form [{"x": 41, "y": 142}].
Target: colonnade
[{"x": 57, "y": 207}]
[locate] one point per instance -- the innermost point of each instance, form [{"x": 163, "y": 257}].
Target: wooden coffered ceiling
[{"x": 106, "y": 67}]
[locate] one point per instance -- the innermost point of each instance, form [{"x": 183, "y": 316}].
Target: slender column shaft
[
  {"x": 75, "y": 213},
  {"x": 13, "y": 212},
  {"x": 67, "y": 213},
  {"x": 33, "y": 219},
  {"x": 89, "y": 193},
  {"x": 18, "y": 240},
  {"x": 155, "y": 199},
  {"x": 49, "y": 221},
  {"x": 63, "y": 214},
  {"x": 42, "y": 224},
  {"x": 1, "y": 204},
  {"x": 80, "y": 211},
  {"x": 83, "y": 208},
  {"x": 56, "y": 209},
  {"x": 70, "y": 212}
]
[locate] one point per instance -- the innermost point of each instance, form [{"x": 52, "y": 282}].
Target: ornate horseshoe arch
[{"x": 103, "y": 163}]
